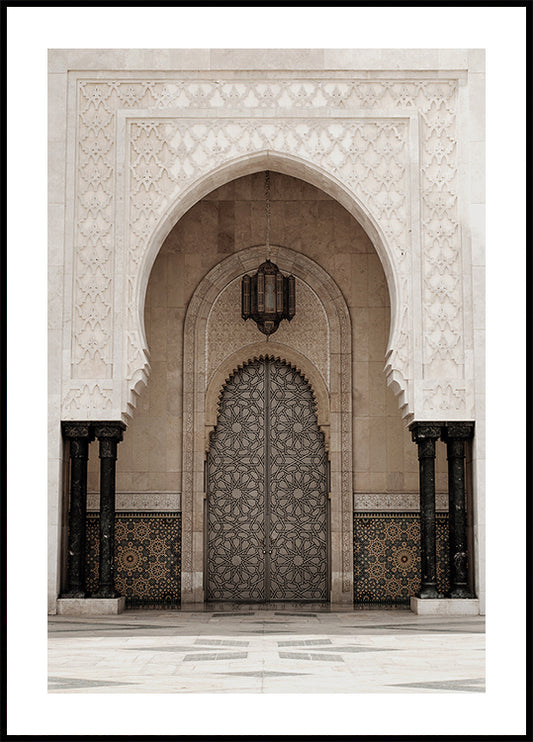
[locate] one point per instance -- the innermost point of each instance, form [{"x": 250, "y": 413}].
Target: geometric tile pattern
[
  {"x": 347, "y": 651},
  {"x": 305, "y": 643},
  {"x": 147, "y": 557},
  {"x": 263, "y": 674},
  {"x": 221, "y": 643},
  {"x": 215, "y": 656},
  {"x": 80, "y": 683},
  {"x": 309, "y": 656},
  {"x": 387, "y": 566},
  {"x": 470, "y": 685}
]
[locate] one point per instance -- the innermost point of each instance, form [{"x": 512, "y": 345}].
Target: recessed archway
[
  {"x": 196, "y": 393},
  {"x": 396, "y": 368}
]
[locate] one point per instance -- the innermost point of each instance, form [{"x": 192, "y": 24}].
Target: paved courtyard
[{"x": 274, "y": 649}]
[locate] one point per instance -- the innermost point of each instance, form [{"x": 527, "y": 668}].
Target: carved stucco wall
[{"x": 144, "y": 146}]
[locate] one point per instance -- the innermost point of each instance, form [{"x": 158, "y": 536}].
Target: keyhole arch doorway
[
  {"x": 333, "y": 396},
  {"x": 267, "y": 524}
]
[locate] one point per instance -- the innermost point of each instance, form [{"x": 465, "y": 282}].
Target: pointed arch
[
  {"x": 397, "y": 367},
  {"x": 277, "y": 352}
]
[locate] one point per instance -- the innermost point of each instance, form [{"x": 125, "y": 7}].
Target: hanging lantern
[{"x": 268, "y": 297}]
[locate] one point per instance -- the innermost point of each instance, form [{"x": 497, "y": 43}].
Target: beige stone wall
[{"x": 305, "y": 219}]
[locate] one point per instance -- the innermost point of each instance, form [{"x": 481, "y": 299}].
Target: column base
[
  {"x": 90, "y": 606},
  {"x": 462, "y": 592},
  {"x": 73, "y": 595},
  {"x": 429, "y": 592},
  {"x": 105, "y": 595},
  {"x": 445, "y": 606}
]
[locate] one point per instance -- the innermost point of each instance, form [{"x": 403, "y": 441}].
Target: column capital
[
  {"x": 423, "y": 431},
  {"x": 457, "y": 430},
  {"x": 110, "y": 429},
  {"x": 72, "y": 429}
]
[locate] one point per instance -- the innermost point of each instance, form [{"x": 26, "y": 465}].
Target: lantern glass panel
[{"x": 270, "y": 293}]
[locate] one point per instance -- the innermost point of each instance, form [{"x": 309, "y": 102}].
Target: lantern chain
[{"x": 267, "y": 210}]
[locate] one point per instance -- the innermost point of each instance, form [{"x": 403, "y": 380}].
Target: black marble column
[
  {"x": 109, "y": 434},
  {"x": 455, "y": 434},
  {"x": 79, "y": 434},
  {"x": 425, "y": 435}
]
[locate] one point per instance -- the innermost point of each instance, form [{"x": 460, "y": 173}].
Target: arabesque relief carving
[
  {"x": 87, "y": 398},
  {"x": 167, "y": 155},
  {"x": 175, "y": 134}
]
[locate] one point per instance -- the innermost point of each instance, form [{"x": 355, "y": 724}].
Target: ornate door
[{"x": 267, "y": 516}]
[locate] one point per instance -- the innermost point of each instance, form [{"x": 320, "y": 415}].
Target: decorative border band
[
  {"x": 400, "y": 502},
  {"x": 139, "y": 502}
]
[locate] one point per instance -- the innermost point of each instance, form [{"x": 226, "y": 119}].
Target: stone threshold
[
  {"x": 90, "y": 606},
  {"x": 445, "y": 606}
]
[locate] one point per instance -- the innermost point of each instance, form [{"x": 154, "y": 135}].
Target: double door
[{"x": 267, "y": 484}]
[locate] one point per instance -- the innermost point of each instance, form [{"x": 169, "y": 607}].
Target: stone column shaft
[
  {"x": 455, "y": 435},
  {"x": 109, "y": 435},
  {"x": 425, "y": 435},
  {"x": 79, "y": 435}
]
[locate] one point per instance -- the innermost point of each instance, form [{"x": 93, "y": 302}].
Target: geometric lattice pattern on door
[
  {"x": 267, "y": 509},
  {"x": 235, "y": 491},
  {"x": 298, "y": 490}
]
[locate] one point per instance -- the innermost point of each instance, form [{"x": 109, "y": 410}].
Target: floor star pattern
[{"x": 264, "y": 649}]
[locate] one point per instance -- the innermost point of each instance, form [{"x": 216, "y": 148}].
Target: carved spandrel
[{"x": 290, "y": 132}]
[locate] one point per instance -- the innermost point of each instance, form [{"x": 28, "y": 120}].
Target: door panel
[
  {"x": 267, "y": 490},
  {"x": 298, "y": 491},
  {"x": 236, "y": 493}
]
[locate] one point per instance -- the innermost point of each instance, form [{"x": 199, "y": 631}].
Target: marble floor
[{"x": 266, "y": 649}]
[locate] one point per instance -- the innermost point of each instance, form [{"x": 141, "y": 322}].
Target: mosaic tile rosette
[
  {"x": 387, "y": 564},
  {"x": 147, "y": 557}
]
